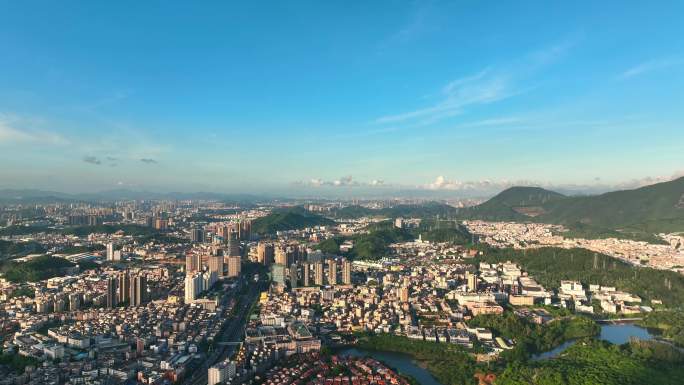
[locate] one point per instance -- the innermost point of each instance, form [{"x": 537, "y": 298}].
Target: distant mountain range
[
  {"x": 425, "y": 210},
  {"x": 651, "y": 209},
  {"x": 654, "y": 208}
]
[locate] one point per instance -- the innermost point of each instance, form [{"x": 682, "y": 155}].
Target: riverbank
[
  {"x": 403, "y": 364},
  {"x": 447, "y": 364},
  {"x": 616, "y": 334}
]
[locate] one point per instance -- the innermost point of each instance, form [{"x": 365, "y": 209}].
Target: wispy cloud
[
  {"x": 481, "y": 88},
  {"x": 502, "y": 121},
  {"x": 92, "y": 160},
  {"x": 489, "y": 85},
  {"x": 420, "y": 21},
  {"x": 12, "y": 131},
  {"x": 365, "y": 133},
  {"x": 650, "y": 66},
  {"x": 148, "y": 160}
]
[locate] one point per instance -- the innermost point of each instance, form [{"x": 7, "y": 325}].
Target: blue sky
[{"x": 308, "y": 96}]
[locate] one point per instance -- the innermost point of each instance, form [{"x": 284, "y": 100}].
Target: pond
[
  {"x": 615, "y": 334},
  {"x": 406, "y": 365},
  {"x": 402, "y": 363}
]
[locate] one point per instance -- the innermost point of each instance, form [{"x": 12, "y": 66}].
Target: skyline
[{"x": 309, "y": 98}]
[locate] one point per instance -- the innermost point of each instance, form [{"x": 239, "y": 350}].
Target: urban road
[{"x": 233, "y": 330}]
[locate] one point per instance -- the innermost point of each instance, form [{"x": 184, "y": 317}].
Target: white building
[
  {"x": 221, "y": 372},
  {"x": 113, "y": 255},
  {"x": 193, "y": 286}
]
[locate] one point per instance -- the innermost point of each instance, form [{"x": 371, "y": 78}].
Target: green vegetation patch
[
  {"x": 592, "y": 362},
  {"x": 17, "y": 362},
  {"x": 669, "y": 323},
  {"x": 534, "y": 338},
  {"x": 10, "y": 249},
  {"x": 37, "y": 269}
]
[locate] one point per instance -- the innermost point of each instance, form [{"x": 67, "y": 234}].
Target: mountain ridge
[{"x": 657, "y": 207}]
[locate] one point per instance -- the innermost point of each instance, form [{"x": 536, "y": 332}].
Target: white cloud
[
  {"x": 442, "y": 183},
  {"x": 345, "y": 181},
  {"x": 649, "y": 180}
]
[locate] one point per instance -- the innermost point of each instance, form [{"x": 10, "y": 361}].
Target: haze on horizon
[{"x": 462, "y": 98}]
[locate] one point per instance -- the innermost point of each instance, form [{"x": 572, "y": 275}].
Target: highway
[{"x": 233, "y": 330}]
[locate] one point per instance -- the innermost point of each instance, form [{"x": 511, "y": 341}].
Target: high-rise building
[
  {"x": 233, "y": 245},
  {"x": 216, "y": 265},
  {"x": 294, "y": 276},
  {"x": 280, "y": 256},
  {"x": 138, "y": 290},
  {"x": 112, "y": 284},
  {"x": 112, "y": 254},
  {"x": 234, "y": 266},
  {"x": 306, "y": 274},
  {"x": 139, "y": 346},
  {"x": 404, "y": 294},
  {"x": 332, "y": 271},
  {"x": 74, "y": 301},
  {"x": 346, "y": 272},
  {"x": 209, "y": 278},
  {"x": 193, "y": 287},
  {"x": 43, "y": 305},
  {"x": 193, "y": 263},
  {"x": 245, "y": 230},
  {"x": 318, "y": 273},
  {"x": 60, "y": 305},
  {"x": 124, "y": 287},
  {"x": 471, "y": 281},
  {"x": 197, "y": 235},
  {"x": 278, "y": 273},
  {"x": 399, "y": 223},
  {"x": 221, "y": 372},
  {"x": 161, "y": 224},
  {"x": 292, "y": 254},
  {"x": 265, "y": 253}
]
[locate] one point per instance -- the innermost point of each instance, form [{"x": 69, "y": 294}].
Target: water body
[
  {"x": 615, "y": 334},
  {"x": 403, "y": 363}
]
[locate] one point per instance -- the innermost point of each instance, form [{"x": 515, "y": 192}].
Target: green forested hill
[
  {"x": 514, "y": 204},
  {"x": 288, "y": 219},
  {"x": 658, "y": 207},
  {"x": 654, "y": 208}
]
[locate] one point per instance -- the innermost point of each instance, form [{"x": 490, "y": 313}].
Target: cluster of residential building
[
  {"x": 149, "y": 341},
  {"x": 669, "y": 255}
]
